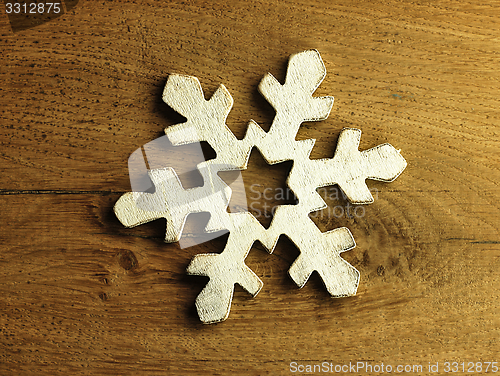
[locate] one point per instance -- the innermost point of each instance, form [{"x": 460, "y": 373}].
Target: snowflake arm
[
  {"x": 206, "y": 120},
  {"x": 172, "y": 202},
  {"x": 349, "y": 168},
  {"x": 225, "y": 269}
]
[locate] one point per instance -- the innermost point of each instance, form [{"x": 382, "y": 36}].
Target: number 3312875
[
  {"x": 32, "y": 8},
  {"x": 471, "y": 367}
]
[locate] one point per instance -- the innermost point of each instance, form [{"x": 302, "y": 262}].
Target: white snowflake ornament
[{"x": 294, "y": 104}]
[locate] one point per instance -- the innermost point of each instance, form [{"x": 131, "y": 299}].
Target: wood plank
[{"x": 80, "y": 293}]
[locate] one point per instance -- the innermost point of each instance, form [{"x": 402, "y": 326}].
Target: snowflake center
[{"x": 265, "y": 188}]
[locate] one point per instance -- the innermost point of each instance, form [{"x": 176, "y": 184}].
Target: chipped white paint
[{"x": 294, "y": 104}]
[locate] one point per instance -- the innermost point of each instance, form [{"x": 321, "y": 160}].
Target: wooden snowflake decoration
[{"x": 206, "y": 121}]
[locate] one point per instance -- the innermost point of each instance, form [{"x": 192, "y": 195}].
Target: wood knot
[
  {"x": 103, "y": 296},
  {"x": 380, "y": 270},
  {"x": 127, "y": 260}
]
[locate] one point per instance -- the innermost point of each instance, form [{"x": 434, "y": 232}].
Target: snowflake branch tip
[
  {"x": 294, "y": 100},
  {"x": 205, "y": 118},
  {"x": 224, "y": 270},
  {"x": 349, "y": 168},
  {"x": 323, "y": 255}
]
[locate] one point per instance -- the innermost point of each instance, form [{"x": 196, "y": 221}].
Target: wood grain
[{"x": 81, "y": 294}]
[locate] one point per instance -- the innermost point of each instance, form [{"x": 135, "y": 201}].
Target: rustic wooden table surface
[{"x": 82, "y": 295}]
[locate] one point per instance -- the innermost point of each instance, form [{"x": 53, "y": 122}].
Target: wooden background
[{"x": 82, "y": 295}]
